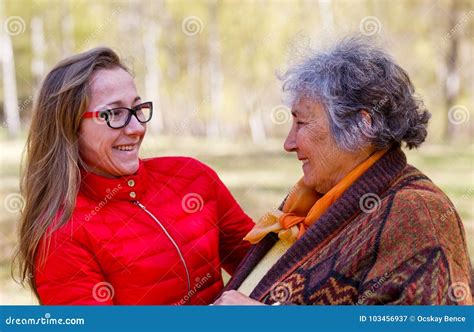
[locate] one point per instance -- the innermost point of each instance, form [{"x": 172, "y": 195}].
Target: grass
[{"x": 257, "y": 175}]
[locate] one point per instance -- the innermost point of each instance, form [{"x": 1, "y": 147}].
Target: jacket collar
[
  {"x": 376, "y": 179},
  {"x": 128, "y": 188}
]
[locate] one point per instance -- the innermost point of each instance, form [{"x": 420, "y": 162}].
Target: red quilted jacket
[{"x": 158, "y": 237}]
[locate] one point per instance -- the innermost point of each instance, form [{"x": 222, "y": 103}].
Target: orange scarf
[{"x": 304, "y": 206}]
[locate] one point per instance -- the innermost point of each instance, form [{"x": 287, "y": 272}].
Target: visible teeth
[
  {"x": 125, "y": 147},
  {"x": 305, "y": 161}
]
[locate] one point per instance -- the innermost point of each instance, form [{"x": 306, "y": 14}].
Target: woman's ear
[{"x": 366, "y": 118}]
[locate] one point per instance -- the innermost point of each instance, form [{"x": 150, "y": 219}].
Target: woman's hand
[{"x": 234, "y": 297}]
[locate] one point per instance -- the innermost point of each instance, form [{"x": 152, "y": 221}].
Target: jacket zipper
[{"x": 172, "y": 241}]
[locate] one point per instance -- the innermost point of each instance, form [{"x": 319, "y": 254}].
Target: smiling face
[
  {"x": 106, "y": 151},
  {"x": 324, "y": 163}
]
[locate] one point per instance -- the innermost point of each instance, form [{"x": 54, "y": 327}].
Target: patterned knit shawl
[{"x": 392, "y": 238}]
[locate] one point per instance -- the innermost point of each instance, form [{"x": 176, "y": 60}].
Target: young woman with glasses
[{"x": 102, "y": 226}]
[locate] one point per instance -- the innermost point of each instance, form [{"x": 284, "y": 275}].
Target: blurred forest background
[{"x": 210, "y": 68}]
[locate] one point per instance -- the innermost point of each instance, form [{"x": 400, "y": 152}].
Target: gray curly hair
[{"x": 353, "y": 76}]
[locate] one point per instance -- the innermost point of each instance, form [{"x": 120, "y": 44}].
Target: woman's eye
[
  {"x": 118, "y": 113},
  {"x": 299, "y": 123}
]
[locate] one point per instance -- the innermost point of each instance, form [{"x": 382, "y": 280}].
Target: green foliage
[{"x": 257, "y": 38}]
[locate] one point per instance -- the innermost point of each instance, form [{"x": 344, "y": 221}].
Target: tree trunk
[
  {"x": 153, "y": 74},
  {"x": 67, "y": 27},
  {"x": 10, "y": 102},
  {"x": 451, "y": 81},
  {"x": 38, "y": 49},
  {"x": 215, "y": 72},
  {"x": 326, "y": 14},
  {"x": 193, "y": 68},
  {"x": 257, "y": 127}
]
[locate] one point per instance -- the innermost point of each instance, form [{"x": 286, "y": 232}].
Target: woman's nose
[
  {"x": 134, "y": 127},
  {"x": 290, "y": 141}
]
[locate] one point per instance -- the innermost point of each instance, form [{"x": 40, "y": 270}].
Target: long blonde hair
[{"x": 50, "y": 177}]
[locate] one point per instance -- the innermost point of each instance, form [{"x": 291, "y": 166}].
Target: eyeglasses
[{"x": 119, "y": 117}]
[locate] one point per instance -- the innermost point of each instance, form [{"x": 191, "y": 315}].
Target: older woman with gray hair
[{"x": 362, "y": 226}]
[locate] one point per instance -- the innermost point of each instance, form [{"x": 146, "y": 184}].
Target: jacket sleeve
[
  {"x": 66, "y": 273},
  {"x": 422, "y": 255},
  {"x": 233, "y": 225},
  {"x": 421, "y": 280}
]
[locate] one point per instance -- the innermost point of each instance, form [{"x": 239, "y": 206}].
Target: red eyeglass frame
[{"x": 132, "y": 111}]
